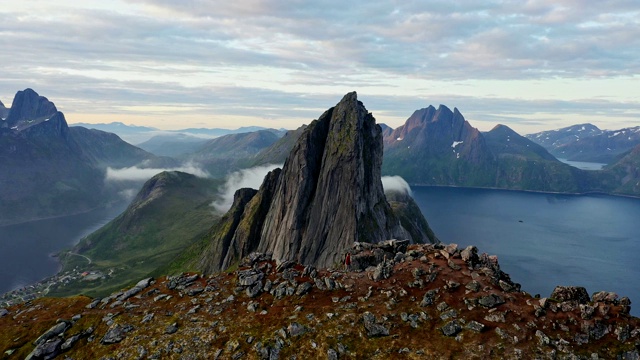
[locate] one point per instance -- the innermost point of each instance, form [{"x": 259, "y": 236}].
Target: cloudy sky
[{"x": 531, "y": 65}]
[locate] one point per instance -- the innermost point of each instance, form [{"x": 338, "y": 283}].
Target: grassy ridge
[{"x": 171, "y": 212}]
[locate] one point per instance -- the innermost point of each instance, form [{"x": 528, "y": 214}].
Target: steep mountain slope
[
  {"x": 50, "y": 169},
  {"x": 439, "y": 147},
  {"x": 587, "y": 143},
  {"x": 327, "y": 196},
  {"x": 525, "y": 165},
  {"x": 170, "y": 212},
  {"x": 503, "y": 141},
  {"x": 103, "y": 149},
  {"x": 626, "y": 172}
]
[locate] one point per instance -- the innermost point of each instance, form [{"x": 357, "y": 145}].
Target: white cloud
[
  {"x": 395, "y": 183},
  {"x": 247, "y": 178},
  {"x": 135, "y": 173},
  {"x": 257, "y": 61}
]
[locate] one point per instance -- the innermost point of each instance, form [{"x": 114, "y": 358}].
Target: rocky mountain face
[
  {"x": 585, "y": 142},
  {"x": 50, "y": 169},
  {"x": 28, "y": 109},
  {"x": 438, "y": 146},
  {"x": 397, "y": 301},
  {"x": 327, "y": 196}
]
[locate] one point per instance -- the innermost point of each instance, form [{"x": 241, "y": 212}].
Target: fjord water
[
  {"x": 26, "y": 249},
  {"x": 544, "y": 240}
]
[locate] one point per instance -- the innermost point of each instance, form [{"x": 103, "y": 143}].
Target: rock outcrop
[
  {"x": 429, "y": 301},
  {"x": 327, "y": 196},
  {"x": 330, "y": 193},
  {"x": 29, "y": 108}
]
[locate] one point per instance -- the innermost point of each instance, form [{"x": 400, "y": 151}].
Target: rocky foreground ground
[{"x": 396, "y": 301}]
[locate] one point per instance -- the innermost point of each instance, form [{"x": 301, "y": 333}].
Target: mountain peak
[
  {"x": 503, "y": 129},
  {"x": 444, "y": 109},
  {"x": 327, "y": 196},
  {"x": 28, "y": 109}
]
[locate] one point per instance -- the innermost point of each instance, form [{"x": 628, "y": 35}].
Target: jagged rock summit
[
  {"x": 28, "y": 109},
  {"x": 327, "y": 196}
]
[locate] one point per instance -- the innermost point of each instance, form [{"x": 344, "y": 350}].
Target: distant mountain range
[
  {"x": 50, "y": 169},
  {"x": 439, "y": 147},
  {"x": 586, "y": 142},
  {"x": 139, "y": 135}
]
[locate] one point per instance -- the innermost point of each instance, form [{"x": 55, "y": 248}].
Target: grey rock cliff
[
  {"x": 330, "y": 194},
  {"x": 222, "y": 234},
  {"x": 327, "y": 197},
  {"x": 29, "y": 108},
  {"x": 247, "y": 235}
]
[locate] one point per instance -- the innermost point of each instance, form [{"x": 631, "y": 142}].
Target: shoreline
[
  {"x": 54, "y": 216},
  {"x": 533, "y": 191}
]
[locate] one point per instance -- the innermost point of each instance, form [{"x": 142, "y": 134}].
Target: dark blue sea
[
  {"x": 26, "y": 249},
  {"x": 544, "y": 240}
]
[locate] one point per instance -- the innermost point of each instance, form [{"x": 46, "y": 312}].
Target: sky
[{"x": 531, "y": 65}]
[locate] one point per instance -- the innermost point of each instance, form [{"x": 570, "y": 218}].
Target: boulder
[
  {"x": 295, "y": 329},
  {"x": 54, "y": 331},
  {"x": 116, "y": 334},
  {"x": 452, "y": 328},
  {"x": 46, "y": 350},
  {"x": 491, "y": 301},
  {"x": 605, "y": 297},
  {"x": 568, "y": 293},
  {"x": 303, "y": 288},
  {"x": 373, "y": 329}
]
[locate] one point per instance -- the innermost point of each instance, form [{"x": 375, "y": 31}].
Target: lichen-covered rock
[
  {"x": 54, "y": 331},
  {"x": 116, "y": 334},
  {"x": 452, "y": 328},
  {"x": 491, "y": 301},
  {"x": 46, "y": 350},
  {"x": 373, "y": 329},
  {"x": 568, "y": 293}
]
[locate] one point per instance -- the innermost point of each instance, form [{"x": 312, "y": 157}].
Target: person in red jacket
[{"x": 347, "y": 261}]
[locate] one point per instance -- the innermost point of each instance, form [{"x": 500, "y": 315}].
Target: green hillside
[{"x": 169, "y": 214}]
